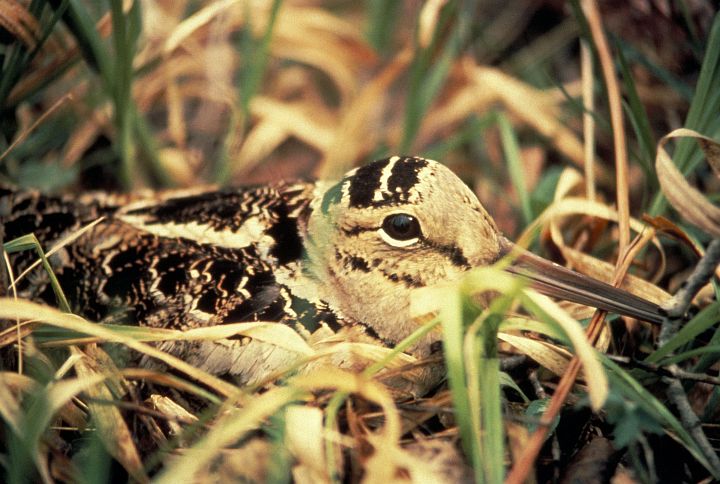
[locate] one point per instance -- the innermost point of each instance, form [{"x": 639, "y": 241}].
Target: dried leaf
[
  {"x": 112, "y": 429},
  {"x": 175, "y": 413},
  {"x": 250, "y": 462},
  {"x": 546, "y": 354},
  {"x": 692, "y": 205},
  {"x": 455, "y": 105},
  {"x": 361, "y": 121},
  {"x": 425, "y": 461},
  {"x": 179, "y": 165},
  {"x": 229, "y": 428},
  {"x": 24, "y": 310},
  {"x": 18, "y": 21},
  {"x": 667, "y": 226},
  {"x": 712, "y": 152},
  {"x": 336, "y": 345},
  {"x": 10, "y": 410},
  {"x": 304, "y": 435},
  {"x": 594, "y": 373},
  {"x": 196, "y": 21},
  {"x": 427, "y": 22},
  {"x": 340, "y": 380},
  {"x": 264, "y": 137},
  {"x": 565, "y": 206},
  {"x": 292, "y": 119},
  {"x": 12, "y": 334},
  {"x": 536, "y": 108},
  {"x": 314, "y": 37}
]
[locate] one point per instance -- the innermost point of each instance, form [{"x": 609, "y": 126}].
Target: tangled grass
[{"x": 524, "y": 100}]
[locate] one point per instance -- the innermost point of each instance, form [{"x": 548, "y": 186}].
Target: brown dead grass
[{"x": 327, "y": 102}]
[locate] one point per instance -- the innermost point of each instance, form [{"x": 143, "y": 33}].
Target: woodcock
[{"x": 326, "y": 258}]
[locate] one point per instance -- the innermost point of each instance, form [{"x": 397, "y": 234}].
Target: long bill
[{"x": 557, "y": 281}]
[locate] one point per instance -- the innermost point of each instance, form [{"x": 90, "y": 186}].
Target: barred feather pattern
[{"x": 316, "y": 256}]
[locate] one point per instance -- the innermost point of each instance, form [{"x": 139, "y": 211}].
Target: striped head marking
[{"x": 392, "y": 226}]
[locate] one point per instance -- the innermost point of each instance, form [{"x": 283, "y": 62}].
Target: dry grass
[{"x": 179, "y": 93}]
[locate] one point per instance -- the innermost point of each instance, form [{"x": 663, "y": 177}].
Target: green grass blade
[
  {"x": 147, "y": 145},
  {"x": 708, "y": 79},
  {"x": 639, "y": 119},
  {"x": 88, "y": 39},
  {"x": 490, "y": 433},
  {"x": 702, "y": 115},
  {"x": 382, "y": 21},
  {"x": 257, "y": 53},
  {"x": 481, "y": 390},
  {"x": 255, "y": 57},
  {"x": 709, "y": 359},
  {"x": 470, "y": 132},
  {"x": 30, "y": 242},
  {"x": 20, "y": 58},
  {"x": 515, "y": 166},
  {"x": 280, "y": 471},
  {"x": 427, "y": 74},
  {"x": 634, "y": 391},
  {"x": 668, "y": 78},
  {"x": 126, "y": 29},
  {"x": 705, "y": 319},
  {"x": 26, "y": 242},
  {"x": 507, "y": 381},
  {"x": 453, "y": 334},
  {"x": 712, "y": 349}
]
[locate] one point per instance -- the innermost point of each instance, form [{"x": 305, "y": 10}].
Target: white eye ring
[{"x": 394, "y": 242}]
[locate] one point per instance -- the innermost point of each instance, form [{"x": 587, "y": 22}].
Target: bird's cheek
[
  {"x": 439, "y": 271},
  {"x": 371, "y": 297}
]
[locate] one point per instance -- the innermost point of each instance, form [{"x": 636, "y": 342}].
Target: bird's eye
[{"x": 400, "y": 230}]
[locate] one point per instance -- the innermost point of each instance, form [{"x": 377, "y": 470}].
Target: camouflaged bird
[{"x": 330, "y": 259}]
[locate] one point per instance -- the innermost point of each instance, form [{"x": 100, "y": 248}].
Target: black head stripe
[
  {"x": 405, "y": 176},
  {"x": 372, "y": 185},
  {"x": 365, "y": 182},
  {"x": 457, "y": 257},
  {"x": 453, "y": 253}
]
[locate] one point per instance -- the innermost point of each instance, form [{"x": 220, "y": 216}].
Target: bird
[{"x": 331, "y": 259}]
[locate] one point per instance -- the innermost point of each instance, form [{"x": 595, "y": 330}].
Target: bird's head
[
  {"x": 389, "y": 228},
  {"x": 404, "y": 223}
]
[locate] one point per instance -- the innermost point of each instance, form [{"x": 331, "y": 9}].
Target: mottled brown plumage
[{"x": 338, "y": 259}]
